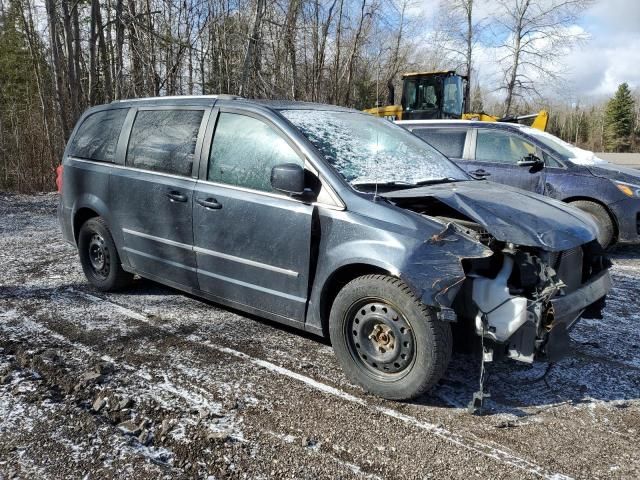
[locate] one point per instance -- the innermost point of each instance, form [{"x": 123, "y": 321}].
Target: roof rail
[{"x": 222, "y": 96}]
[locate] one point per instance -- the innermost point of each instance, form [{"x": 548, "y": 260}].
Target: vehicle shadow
[
  {"x": 591, "y": 373},
  {"x": 146, "y": 287},
  {"x": 521, "y": 390}
]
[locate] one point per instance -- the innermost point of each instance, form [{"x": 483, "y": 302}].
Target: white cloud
[
  {"x": 616, "y": 15},
  {"x": 612, "y": 55},
  {"x": 592, "y": 69}
]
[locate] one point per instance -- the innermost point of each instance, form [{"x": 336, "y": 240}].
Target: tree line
[{"x": 59, "y": 57}]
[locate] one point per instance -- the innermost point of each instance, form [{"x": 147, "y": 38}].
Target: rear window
[
  {"x": 450, "y": 141},
  {"x": 164, "y": 140},
  {"x": 97, "y": 137}
]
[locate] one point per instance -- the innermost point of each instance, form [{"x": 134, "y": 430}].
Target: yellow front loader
[{"x": 440, "y": 95}]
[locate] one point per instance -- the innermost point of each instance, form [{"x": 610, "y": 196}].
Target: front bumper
[
  {"x": 627, "y": 215},
  {"x": 568, "y": 309}
]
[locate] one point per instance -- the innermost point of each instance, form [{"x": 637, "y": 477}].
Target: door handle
[
  {"x": 210, "y": 203},
  {"x": 176, "y": 197},
  {"x": 480, "y": 173}
]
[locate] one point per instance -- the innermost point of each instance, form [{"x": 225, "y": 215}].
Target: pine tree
[
  {"x": 16, "y": 77},
  {"x": 619, "y": 120}
]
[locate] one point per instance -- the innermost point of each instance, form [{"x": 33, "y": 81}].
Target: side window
[
  {"x": 501, "y": 147},
  {"x": 449, "y": 141},
  {"x": 97, "y": 137},
  {"x": 244, "y": 151},
  {"x": 549, "y": 161},
  {"x": 164, "y": 140}
]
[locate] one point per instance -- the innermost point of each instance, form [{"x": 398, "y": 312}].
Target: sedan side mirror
[
  {"x": 288, "y": 178},
  {"x": 530, "y": 161}
]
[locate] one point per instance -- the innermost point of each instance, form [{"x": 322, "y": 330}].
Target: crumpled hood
[
  {"x": 616, "y": 172},
  {"x": 510, "y": 214}
]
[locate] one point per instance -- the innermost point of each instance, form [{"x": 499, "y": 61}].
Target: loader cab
[{"x": 433, "y": 95}]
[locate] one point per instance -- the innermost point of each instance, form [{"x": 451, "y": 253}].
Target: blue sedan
[{"x": 537, "y": 161}]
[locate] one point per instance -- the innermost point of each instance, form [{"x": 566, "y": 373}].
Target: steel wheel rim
[
  {"x": 380, "y": 339},
  {"x": 98, "y": 256}
]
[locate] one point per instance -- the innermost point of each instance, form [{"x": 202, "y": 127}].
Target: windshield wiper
[
  {"x": 431, "y": 181},
  {"x": 403, "y": 183},
  {"x": 383, "y": 183}
]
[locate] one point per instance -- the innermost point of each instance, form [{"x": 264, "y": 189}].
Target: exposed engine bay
[
  {"x": 510, "y": 298},
  {"x": 542, "y": 271}
]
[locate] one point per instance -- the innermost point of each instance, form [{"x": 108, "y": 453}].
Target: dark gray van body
[{"x": 285, "y": 257}]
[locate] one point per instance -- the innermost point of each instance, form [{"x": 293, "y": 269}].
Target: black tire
[
  {"x": 99, "y": 257},
  {"x": 606, "y": 230},
  {"x": 395, "y": 358}
]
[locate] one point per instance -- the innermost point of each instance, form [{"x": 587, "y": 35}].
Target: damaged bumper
[
  {"x": 587, "y": 301},
  {"x": 568, "y": 308},
  {"x": 526, "y": 328}
]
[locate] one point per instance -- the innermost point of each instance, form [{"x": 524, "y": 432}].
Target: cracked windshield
[{"x": 368, "y": 150}]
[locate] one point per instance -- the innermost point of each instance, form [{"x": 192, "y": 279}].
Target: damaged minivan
[{"x": 332, "y": 221}]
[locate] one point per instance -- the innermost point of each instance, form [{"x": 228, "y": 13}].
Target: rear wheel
[
  {"x": 99, "y": 257},
  {"x": 602, "y": 219},
  {"x": 386, "y": 340}
]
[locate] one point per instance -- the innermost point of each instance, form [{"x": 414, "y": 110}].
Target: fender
[
  {"x": 98, "y": 205},
  {"x": 431, "y": 267}
]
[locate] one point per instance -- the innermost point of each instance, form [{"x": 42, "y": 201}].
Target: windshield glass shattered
[
  {"x": 566, "y": 150},
  {"x": 365, "y": 149}
]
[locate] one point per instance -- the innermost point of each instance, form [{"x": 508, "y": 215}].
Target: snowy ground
[{"x": 151, "y": 383}]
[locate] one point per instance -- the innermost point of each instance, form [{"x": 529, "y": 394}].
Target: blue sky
[{"x": 593, "y": 69}]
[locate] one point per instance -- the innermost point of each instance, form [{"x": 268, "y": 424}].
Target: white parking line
[{"x": 468, "y": 442}]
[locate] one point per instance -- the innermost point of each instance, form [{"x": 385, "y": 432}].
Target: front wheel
[
  {"x": 601, "y": 216},
  {"x": 386, "y": 340}
]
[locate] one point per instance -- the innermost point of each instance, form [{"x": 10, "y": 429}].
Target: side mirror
[
  {"x": 288, "y": 178},
  {"x": 530, "y": 161}
]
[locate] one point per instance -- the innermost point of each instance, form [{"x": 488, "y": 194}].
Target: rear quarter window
[
  {"x": 450, "y": 141},
  {"x": 97, "y": 137},
  {"x": 164, "y": 140}
]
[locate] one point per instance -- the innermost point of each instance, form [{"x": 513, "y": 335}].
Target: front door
[
  {"x": 152, "y": 193},
  {"x": 252, "y": 243},
  {"x": 497, "y": 154}
]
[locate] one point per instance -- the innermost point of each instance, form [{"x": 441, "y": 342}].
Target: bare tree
[
  {"x": 461, "y": 28},
  {"x": 537, "y": 33},
  {"x": 253, "y": 43}
]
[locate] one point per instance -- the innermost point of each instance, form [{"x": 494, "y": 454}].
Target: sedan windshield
[
  {"x": 554, "y": 143},
  {"x": 368, "y": 150},
  {"x": 565, "y": 150}
]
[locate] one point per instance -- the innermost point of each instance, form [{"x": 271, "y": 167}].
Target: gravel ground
[{"x": 152, "y": 383}]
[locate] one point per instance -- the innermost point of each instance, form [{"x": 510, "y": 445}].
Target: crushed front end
[
  {"x": 524, "y": 300},
  {"x": 540, "y": 271},
  {"x": 542, "y": 268}
]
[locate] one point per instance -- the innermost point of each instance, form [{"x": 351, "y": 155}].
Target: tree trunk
[
  {"x": 93, "y": 66},
  {"x": 290, "y": 43},
  {"x": 104, "y": 58},
  {"x": 352, "y": 54},
  {"x": 52, "y": 17},
  {"x": 513, "y": 77},
  {"x": 134, "y": 52},
  {"x": 469, "y": 54},
  {"x": 252, "y": 44},
  {"x": 336, "y": 63},
  {"x": 119, "y": 45},
  {"x": 72, "y": 74}
]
